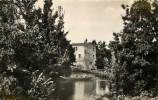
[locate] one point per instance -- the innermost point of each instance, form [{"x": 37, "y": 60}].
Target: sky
[{"x": 92, "y": 19}]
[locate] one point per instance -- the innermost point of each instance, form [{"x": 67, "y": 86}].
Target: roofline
[
  {"x": 81, "y": 44},
  {"x": 77, "y": 44}
]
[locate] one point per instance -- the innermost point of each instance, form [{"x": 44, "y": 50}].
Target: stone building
[{"x": 85, "y": 54}]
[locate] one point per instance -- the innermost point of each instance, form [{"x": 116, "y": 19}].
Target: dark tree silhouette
[
  {"x": 135, "y": 50},
  {"x": 33, "y": 48}
]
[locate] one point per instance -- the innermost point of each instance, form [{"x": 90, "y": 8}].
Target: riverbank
[
  {"x": 98, "y": 73},
  {"x": 14, "y": 98},
  {"x": 136, "y": 98},
  {"x": 125, "y": 98}
]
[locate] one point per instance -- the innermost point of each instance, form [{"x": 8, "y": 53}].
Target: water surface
[{"x": 68, "y": 89}]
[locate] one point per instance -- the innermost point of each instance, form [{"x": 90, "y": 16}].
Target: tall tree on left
[
  {"x": 33, "y": 48},
  {"x": 8, "y": 32}
]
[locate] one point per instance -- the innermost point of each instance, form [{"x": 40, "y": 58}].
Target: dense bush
[
  {"x": 42, "y": 86},
  {"x": 103, "y": 56}
]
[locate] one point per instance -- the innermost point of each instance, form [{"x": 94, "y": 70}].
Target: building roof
[
  {"x": 81, "y": 44},
  {"x": 78, "y": 44}
]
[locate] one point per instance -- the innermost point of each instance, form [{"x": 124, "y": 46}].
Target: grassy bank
[
  {"x": 14, "y": 98},
  {"x": 135, "y": 98}
]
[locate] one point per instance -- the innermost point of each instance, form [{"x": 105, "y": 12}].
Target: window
[
  {"x": 93, "y": 48},
  {"x": 79, "y": 55},
  {"x": 76, "y": 48},
  {"x": 90, "y": 63}
]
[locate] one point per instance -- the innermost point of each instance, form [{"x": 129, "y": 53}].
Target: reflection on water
[
  {"x": 84, "y": 90},
  {"x": 64, "y": 90},
  {"x": 80, "y": 90}
]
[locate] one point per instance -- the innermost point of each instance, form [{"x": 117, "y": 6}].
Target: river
[{"x": 68, "y": 89}]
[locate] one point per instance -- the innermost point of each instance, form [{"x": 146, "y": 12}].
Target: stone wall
[
  {"x": 90, "y": 55},
  {"x": 79, "y": 54},
  {"x": 85, "y": 55}
]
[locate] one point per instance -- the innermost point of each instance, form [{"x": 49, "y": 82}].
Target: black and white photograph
[{"x": 78, "y": 49}]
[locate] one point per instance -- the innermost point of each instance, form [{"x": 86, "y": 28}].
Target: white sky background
[{"x": 92, "y": 19}]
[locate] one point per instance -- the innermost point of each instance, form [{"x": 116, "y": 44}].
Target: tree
[
  {"x": 7, "y": 33},
  {"x": 103, "y": 55},
  {"x": 135, "y": 50},
  {"x": 34, "y": 48}
]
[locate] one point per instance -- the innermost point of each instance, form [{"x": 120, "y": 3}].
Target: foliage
[
  {"x": 103, "y": 55},
  {"x": 32, "y": 40},
  {"x": 41, "y": 86},
  {"x": 135, "y": 50},
  {"x": 8, "y": 85}
]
